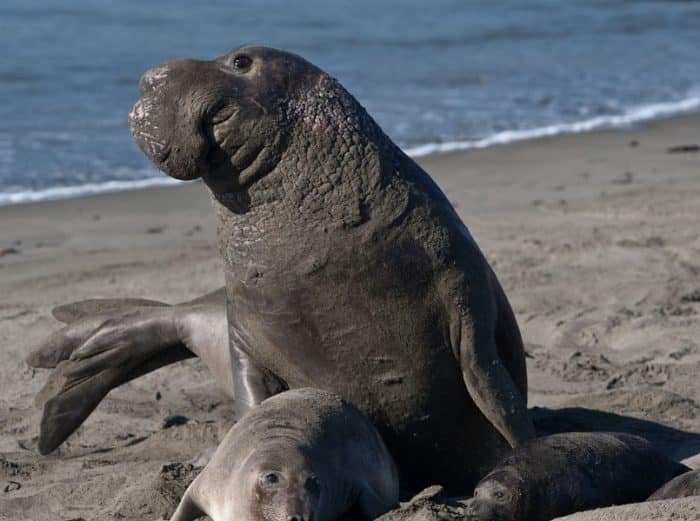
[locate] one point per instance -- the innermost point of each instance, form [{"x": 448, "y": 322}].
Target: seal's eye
[
  {"x": 242, "y": 62},
  {"x": 313, "y": 485},
  {"x": 499, "y": 494},
  {"x": 270, "y": 478}
]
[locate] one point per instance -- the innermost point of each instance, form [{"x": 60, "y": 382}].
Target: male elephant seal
[
  {"x": 301, "y": 455},
  {"x": 566, "y": 473},
  {"x": 346, "y": 269},
  {"x": 685, "y": 485}
]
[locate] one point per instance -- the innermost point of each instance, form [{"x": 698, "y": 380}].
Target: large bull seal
[
  {"x": 302, "y": 455},
  {"x": 346, "y": 267}
]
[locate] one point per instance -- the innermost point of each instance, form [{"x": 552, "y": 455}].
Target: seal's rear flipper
[
  {"x": 75, "y": 388},
  {"x": 59, "y": 346},
  {"x": 83, "y": 319},
  {"x": 69, "y": 313},
  {"x": 188, "y": 509}
]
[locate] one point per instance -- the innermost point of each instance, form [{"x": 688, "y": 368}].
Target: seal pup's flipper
[
  {"x": 76, "y": 387},
  {"x": 188, "y": 509}
]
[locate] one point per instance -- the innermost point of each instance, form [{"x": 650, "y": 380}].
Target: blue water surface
[{"x": 442, "y": 73}]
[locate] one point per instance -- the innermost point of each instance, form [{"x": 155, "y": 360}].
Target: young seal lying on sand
[
  {"x": 302, "y": 455},
  {"x": 566, "y": 473}
]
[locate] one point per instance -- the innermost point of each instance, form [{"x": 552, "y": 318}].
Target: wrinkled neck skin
[{"x": 328, "y": 176}]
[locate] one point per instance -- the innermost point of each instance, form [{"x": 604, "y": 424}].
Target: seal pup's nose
[
  {"x": 297, "y": 517},
  {"x": 152, "y": 78}
]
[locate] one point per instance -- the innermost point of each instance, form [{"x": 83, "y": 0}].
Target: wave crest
[{"x": 630, "y": 117}]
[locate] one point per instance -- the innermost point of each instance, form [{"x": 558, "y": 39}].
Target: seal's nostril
[{"x": 296, "y": 518}]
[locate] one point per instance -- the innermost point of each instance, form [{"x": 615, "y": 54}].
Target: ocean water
[{"x": 438, "y": 75}]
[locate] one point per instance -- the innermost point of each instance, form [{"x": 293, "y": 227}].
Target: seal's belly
[
  {"x": 371, "y": 344},
  {"x": 378, "y": 335}
]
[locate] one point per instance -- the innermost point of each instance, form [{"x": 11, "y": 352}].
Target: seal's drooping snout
[
  {"x": 168, "y": 127},
  {"x": 223, "y": 119}
]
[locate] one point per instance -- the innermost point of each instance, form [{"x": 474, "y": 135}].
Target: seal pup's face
[
  {"x": 497, "y": 497},
  {"x": 283, "y": 486},
  {"x": 224, "y": 120}
]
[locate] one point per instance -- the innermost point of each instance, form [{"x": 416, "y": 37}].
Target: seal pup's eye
[
  {"x": 498, "y": 494},
  {"x": 313, "y": 485},
  {"x": 242, "y": 62},
  {"x": 269, "y": 478}
]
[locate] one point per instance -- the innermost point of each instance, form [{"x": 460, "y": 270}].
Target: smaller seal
[
  {"x": 685, "y": 485},
  {"x": 565, "y": 473},
  {"x": 300, "y": 455}
]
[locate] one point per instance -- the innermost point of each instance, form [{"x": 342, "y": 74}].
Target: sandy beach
[{"x": 595, "y": 238}]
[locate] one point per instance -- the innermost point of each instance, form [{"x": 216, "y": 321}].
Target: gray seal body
[
  {"x": 346, "y": 267},
  {"x": 565, "y": 473},
  {"x": 302, "y": 455}
]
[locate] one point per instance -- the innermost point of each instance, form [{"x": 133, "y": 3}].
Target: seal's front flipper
[
  {"x": 69, "y": 313},
  {"x": 492, "y": 388},
  {"x": 76, "y": 387},
  {"x": 188, "y": 509}
]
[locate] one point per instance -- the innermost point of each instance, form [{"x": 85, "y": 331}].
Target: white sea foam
[
  {"x": 630, "y": 117},
  {"x": 64, "y": 192}
]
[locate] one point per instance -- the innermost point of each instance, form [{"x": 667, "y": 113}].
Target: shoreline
[{"x": 420, "y": 153}]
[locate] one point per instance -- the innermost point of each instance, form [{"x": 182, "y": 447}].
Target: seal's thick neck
[{"x": 336, "y": 162}]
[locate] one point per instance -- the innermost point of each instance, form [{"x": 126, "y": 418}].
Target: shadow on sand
[{"x": 672, "y": 442}]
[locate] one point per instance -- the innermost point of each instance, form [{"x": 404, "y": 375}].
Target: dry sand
[{"x": 595, "y": 237}]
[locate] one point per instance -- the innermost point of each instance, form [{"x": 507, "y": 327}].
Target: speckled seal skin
[
  {"x": 685, "y": 485},
  {"x": 302, "y": 455},
  {"x": 346, "y": 267},
  {"x": 565, "y": 473}
]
